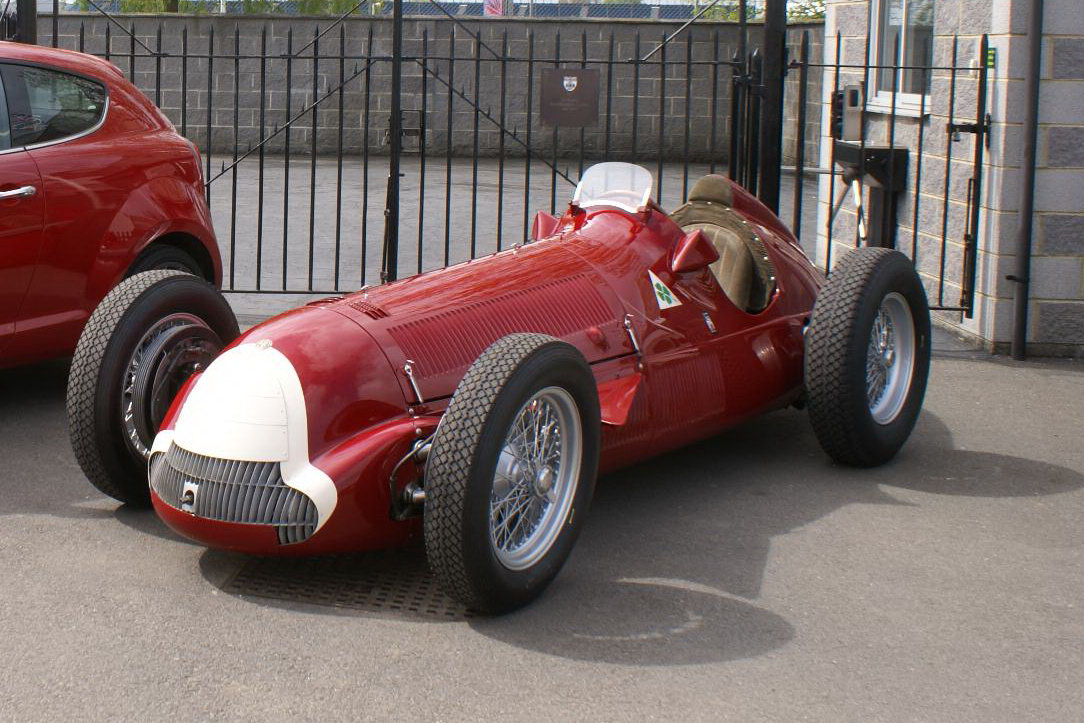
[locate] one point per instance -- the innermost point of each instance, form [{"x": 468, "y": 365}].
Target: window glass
[
  {"x": 5, "y": 128},
  {"x": 48, "y": 106},
  {"x": 908, "y": 26}
]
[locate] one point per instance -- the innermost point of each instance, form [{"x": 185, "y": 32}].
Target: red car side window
[{"x": 46, "y": 105}]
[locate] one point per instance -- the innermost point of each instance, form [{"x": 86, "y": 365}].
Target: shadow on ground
[{"x": 670, "y": 565}]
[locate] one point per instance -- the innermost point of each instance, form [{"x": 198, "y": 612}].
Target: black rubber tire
[
  {"x": 460, "y": 469},
  {"x": 163, "y": 257},
  {"x": 835, "y": 356},
  {"x": 96, "y": 379}
]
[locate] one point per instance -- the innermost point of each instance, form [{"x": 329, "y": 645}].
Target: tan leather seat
[
  {"x": 744, "y": 269},
  {"x": 734, "y": 269}
]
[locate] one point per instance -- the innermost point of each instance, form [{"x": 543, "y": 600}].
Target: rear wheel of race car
[
  {"x": 148, "y": 335},
  {"x": 511, "y": 472},
  {"x": 867, "y": 357}
]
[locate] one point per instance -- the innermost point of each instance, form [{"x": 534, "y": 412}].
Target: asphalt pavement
[{"x": 745, "y": 578}]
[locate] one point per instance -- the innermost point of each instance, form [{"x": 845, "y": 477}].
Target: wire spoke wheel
[
  {"x": 536, "y": 477},
  {"x": 890, "y": 358},
  {"x": 867, "y": 356},
  {"x": 173, "y": 349},
  {"x": 511, "y": 472}
]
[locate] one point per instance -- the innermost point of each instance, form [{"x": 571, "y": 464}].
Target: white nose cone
[
  {"x": 249, "y": 406},
  {"x": 238, "y": 408}
]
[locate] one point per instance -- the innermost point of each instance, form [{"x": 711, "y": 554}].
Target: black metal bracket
[{"x": 983, "y": 128}]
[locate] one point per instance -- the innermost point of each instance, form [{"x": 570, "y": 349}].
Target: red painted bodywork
[
  {"x": 102, "y": 199},
  {"x": 687, "y": 382}
]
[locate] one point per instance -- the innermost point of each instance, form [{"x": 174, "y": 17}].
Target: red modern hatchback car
[{"x": 95, "y": 185}]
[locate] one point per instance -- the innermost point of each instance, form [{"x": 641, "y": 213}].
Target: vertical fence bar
[
  {"x": 609, "y": 93},
  {"x": 210, "y": 107},
  {"x": 832, "y": 163},
  {"x": 158, "y": 67},
  {"x": 184, "y": 82},
  {"x": 714, "y": 102},
  {"x": 527, "y": 156},
  {"x": 422, "y": 130},
  {"x": 236, "y": 145},
  {"x": 583, "y": 65},
  {"x": 862, "y": 146},
  {"x": 635, "y": 93},
  {"x": 339, "y": 155},
  {"x": 448, "y": 149},
  {"x": 365, "y": 156},
  {"x": 971, "y": 248},
  {"x": 315, "y": 123},
  {"x": 131, "y": 52},
  {"x": 688, "y": 119},
  {"x": 662, "y": 116},
  {"x": 83, "y": 36},
  {"x": 286, "y": 156},
  {"x": 948, "y": 171},
  {"x": 926, "y": 73},
  {"x": 553, "y": 166},
  {"x": 474, "y": 153},
  {"x": 799, "y": 151},
  {"x": 56, "y": 24},
  {"x": 395, "y": 149},
  {"x": 108, "y": 42},
  {"x": 262, "y": 157},
  {"x": 737, "y": 122},
  {"x": 500, "y": 139},
  {"x": 887, "y": 219}
]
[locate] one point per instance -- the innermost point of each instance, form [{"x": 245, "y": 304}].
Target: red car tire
[
  {"x": 149, "y": 334},
  {"x": 463, "y": 518}
]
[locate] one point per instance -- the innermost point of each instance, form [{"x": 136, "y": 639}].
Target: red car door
[
  {"x": 22, "y": 213},
  {"x": 55, "y": 114}
]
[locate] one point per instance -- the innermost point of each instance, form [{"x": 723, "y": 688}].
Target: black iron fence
[
  {"x": 294, "y": 120},
  {"x": 315, "y": 187}
]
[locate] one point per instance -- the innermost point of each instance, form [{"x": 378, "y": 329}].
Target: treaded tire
[
  {"x": 836, "y": 349},
  {"x": 459, "y": 474},
  {"x": 162, "y": 257},
  {"x": 100, "y": 365}
]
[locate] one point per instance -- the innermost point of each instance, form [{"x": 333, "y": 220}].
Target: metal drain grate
[{"x": 396, "y": 581}]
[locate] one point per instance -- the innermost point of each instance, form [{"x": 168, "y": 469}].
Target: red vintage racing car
[{"x": 475, "y": 405}]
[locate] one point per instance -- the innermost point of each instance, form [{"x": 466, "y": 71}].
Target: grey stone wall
[
  {"x": 683, "y": 111},
  {"x": 1057, "y": 297}
]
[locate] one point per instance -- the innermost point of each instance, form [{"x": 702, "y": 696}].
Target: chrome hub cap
[
  {"x": 168, "y": 353},
  {"x": 890, "y": 359},
  {"x": 536, "y": 478}
]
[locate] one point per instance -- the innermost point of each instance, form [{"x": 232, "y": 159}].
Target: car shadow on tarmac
[{"x": 671, "y": 562}]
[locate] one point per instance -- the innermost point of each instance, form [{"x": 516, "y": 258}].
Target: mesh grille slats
[{"x": 234, "y": 491}]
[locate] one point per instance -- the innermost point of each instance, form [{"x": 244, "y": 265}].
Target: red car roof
[{"x": 67, "y": 59}]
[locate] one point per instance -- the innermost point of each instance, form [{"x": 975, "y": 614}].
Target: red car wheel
[
  {"x": 144, "y": 340},
  {"x": 511, "y": 472}
]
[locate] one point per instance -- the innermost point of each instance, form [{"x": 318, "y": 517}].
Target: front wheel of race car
[
  {"x": 867, "y": 357},
  {"x": 143, "y": 341},
  {"x": 511, "y": 472}
]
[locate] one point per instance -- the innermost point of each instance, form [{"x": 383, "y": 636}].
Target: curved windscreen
[{"x": 624, "y": 185}]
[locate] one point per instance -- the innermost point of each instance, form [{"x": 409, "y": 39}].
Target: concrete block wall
[
  {"x": 1057, "y": 307},
  {"x": 706, "y": 87}
]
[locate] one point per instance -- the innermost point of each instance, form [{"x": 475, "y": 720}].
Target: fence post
[
  {"x": 26, "y": 21},
  {"x": 771, "y": 128},
  {"x": 395, "y": 148}
]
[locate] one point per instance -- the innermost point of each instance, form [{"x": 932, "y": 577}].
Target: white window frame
[{"x": 907, "y": 104}]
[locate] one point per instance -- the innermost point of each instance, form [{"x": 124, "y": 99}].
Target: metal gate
[
  {"x": 900, "y": 169},
  {"x": 339, "y": 155}
]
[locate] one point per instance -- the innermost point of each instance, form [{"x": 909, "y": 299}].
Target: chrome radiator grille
[{"x": 233, "y": 491}]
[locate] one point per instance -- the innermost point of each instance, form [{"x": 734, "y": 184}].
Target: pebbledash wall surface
[
  {"x": 1056, "y": 300},
  {"x": 704, "y": 37}
]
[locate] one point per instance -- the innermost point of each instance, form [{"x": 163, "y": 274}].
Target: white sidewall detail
[{"x": 249, "y": 406}]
